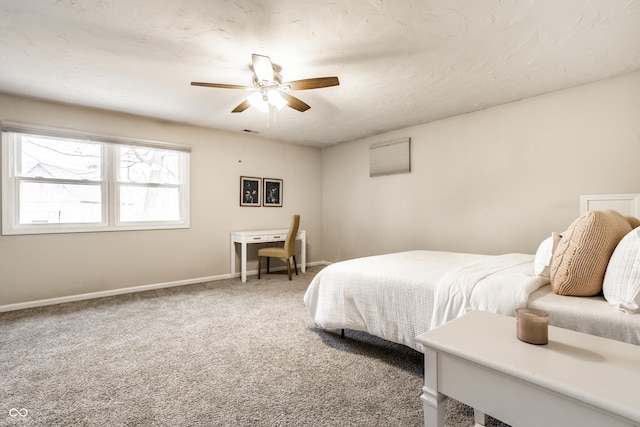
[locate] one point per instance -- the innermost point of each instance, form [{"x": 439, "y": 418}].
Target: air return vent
[{"x": 392, "y": 157}]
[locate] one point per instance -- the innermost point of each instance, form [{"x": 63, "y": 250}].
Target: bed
[
  {"x": 394, "y": 296},
  {"x": 401, "y": 295}
]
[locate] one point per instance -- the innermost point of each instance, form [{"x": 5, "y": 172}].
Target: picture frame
[
  {"x": 250, "y": 191},
  {"x": 272, "y": 192}
]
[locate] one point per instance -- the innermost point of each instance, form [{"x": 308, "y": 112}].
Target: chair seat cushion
[{"x": 275, "y": 252}]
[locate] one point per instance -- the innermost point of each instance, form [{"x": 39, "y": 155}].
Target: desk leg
[
  {"x": 243, "y": 262},
  {"x": 433, "y": 402},
  {"x": 303, "y": 254},
  {"x": 233, "y": 259}
]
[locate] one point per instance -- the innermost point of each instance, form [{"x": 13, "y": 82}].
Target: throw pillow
[
  {"x": 635, "y": 222},
  {"x": 621, "y": 286},
  {"x": 542, "y": 260},
  {"x": 580, "y": 260}
]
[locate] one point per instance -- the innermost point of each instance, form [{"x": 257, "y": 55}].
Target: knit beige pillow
[
  {"x": 581, "y": 257},
  {"x": 635, "y": 222}
]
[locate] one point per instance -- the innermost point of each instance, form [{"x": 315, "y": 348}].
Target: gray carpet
[{"x": 223, "y": 353}]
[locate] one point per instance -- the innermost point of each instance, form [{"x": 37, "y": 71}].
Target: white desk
[
  {"x": 574, "y": 380},
  {"x": 262, "y": 236}
]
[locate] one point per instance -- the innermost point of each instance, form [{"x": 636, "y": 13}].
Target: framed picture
[
  {"x": 250, "y": 191},
  {"x": 272, "y": 192}
]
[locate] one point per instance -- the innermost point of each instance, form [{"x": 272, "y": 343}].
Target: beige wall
[
  {"x": 494, "y": 181},
  {"x": 58, "y": 265}
]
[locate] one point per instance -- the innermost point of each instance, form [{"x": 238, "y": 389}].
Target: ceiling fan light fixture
[
  {"x": 269, "y": 90},
  {"x": 276, "y": 99},
  {"x": 257, "y": 100}
]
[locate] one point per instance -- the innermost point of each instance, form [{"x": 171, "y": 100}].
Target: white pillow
[
  {"x": 542, "y": 260},
  {"x": 621, "y": 286}
]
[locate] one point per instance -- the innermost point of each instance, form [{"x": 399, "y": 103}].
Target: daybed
[{"x": 587, "y": 278}]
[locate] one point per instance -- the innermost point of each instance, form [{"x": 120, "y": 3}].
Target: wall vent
[{"x": 388, "y": 158}]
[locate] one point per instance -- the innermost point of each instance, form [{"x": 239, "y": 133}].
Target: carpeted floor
[{"x": 224, "y": 353}]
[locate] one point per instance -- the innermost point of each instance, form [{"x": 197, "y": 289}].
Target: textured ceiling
[{"x": 400, "y": 62}]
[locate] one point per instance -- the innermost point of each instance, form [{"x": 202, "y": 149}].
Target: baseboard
[
  {"x": 113, "y": 292},
  {"x": 312, "y": 264},
  {"x": 101, "y": 294}
]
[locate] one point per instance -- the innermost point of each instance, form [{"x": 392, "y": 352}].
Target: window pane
[
  {"x": 138, "y": 203},
  {"x": 51, "y": 203},
  {"x": 48, "y": 157},
  {"x": 63, "y": 181},
  {"x": 149, "y": 165}
]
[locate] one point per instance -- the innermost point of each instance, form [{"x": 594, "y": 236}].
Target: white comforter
[{"x": 401, "y": 295}]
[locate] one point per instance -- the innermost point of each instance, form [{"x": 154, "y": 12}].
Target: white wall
[
  {"x": 493, "y": 181},
  {"x": 57, "y": 265}
]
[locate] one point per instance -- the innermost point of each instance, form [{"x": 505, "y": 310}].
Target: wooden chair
[{"x": 283, "y": 252}]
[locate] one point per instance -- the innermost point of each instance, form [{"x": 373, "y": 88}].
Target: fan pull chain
[
  {"x": 269, "y": 116},
  {"x": 272, "y": 111}
]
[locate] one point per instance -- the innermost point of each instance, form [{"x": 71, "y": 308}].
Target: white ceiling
[{"x": 400, "y": 62}]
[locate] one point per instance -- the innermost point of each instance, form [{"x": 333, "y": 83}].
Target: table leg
[
  {"x": 480, "y": 418},
  {"x": 433, "y": 402},
  {"x": 433, "y": 406},
  {"x": 233, "y": 259},
  {"x": 243, "y": 262},
  {"x": 303, "y": 254}
]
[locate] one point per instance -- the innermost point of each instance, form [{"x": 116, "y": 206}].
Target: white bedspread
[
  {"x": 393, "y": 296},
  {"x": 498, "y": 284}
]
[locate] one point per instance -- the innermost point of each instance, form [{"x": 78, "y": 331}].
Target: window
[{"x": 56, "y": 181}]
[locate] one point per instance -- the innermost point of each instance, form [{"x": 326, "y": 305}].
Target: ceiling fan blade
[
  {"x": 294, "y": 102},
  {"x": 315, "y": 83},
  {"x": 220, "y": 85},
  {"x": 262, "y": 67},
  {"x": 241, "y": 107}
]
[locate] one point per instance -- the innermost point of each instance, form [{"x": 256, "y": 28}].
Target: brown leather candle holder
[{"x": 532, "y": 326}]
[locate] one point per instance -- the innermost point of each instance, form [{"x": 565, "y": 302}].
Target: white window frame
[{"x": 110, "y": 186}]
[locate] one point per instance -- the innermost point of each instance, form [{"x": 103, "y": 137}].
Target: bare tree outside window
[
  {"x": 62, "y": 180},
  {"x": 61, "y": 184},
  {"x": 149, "y": 184}
]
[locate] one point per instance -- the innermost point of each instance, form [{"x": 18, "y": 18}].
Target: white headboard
[{"x": 626, "y": 204}]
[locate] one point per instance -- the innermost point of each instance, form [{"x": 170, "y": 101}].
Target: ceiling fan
[{"x": 268, "y": 89}]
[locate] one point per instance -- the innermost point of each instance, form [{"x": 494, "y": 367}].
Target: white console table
[
  {"x": 574, "y": 380},
  {"x": 262, "y": 236}
]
